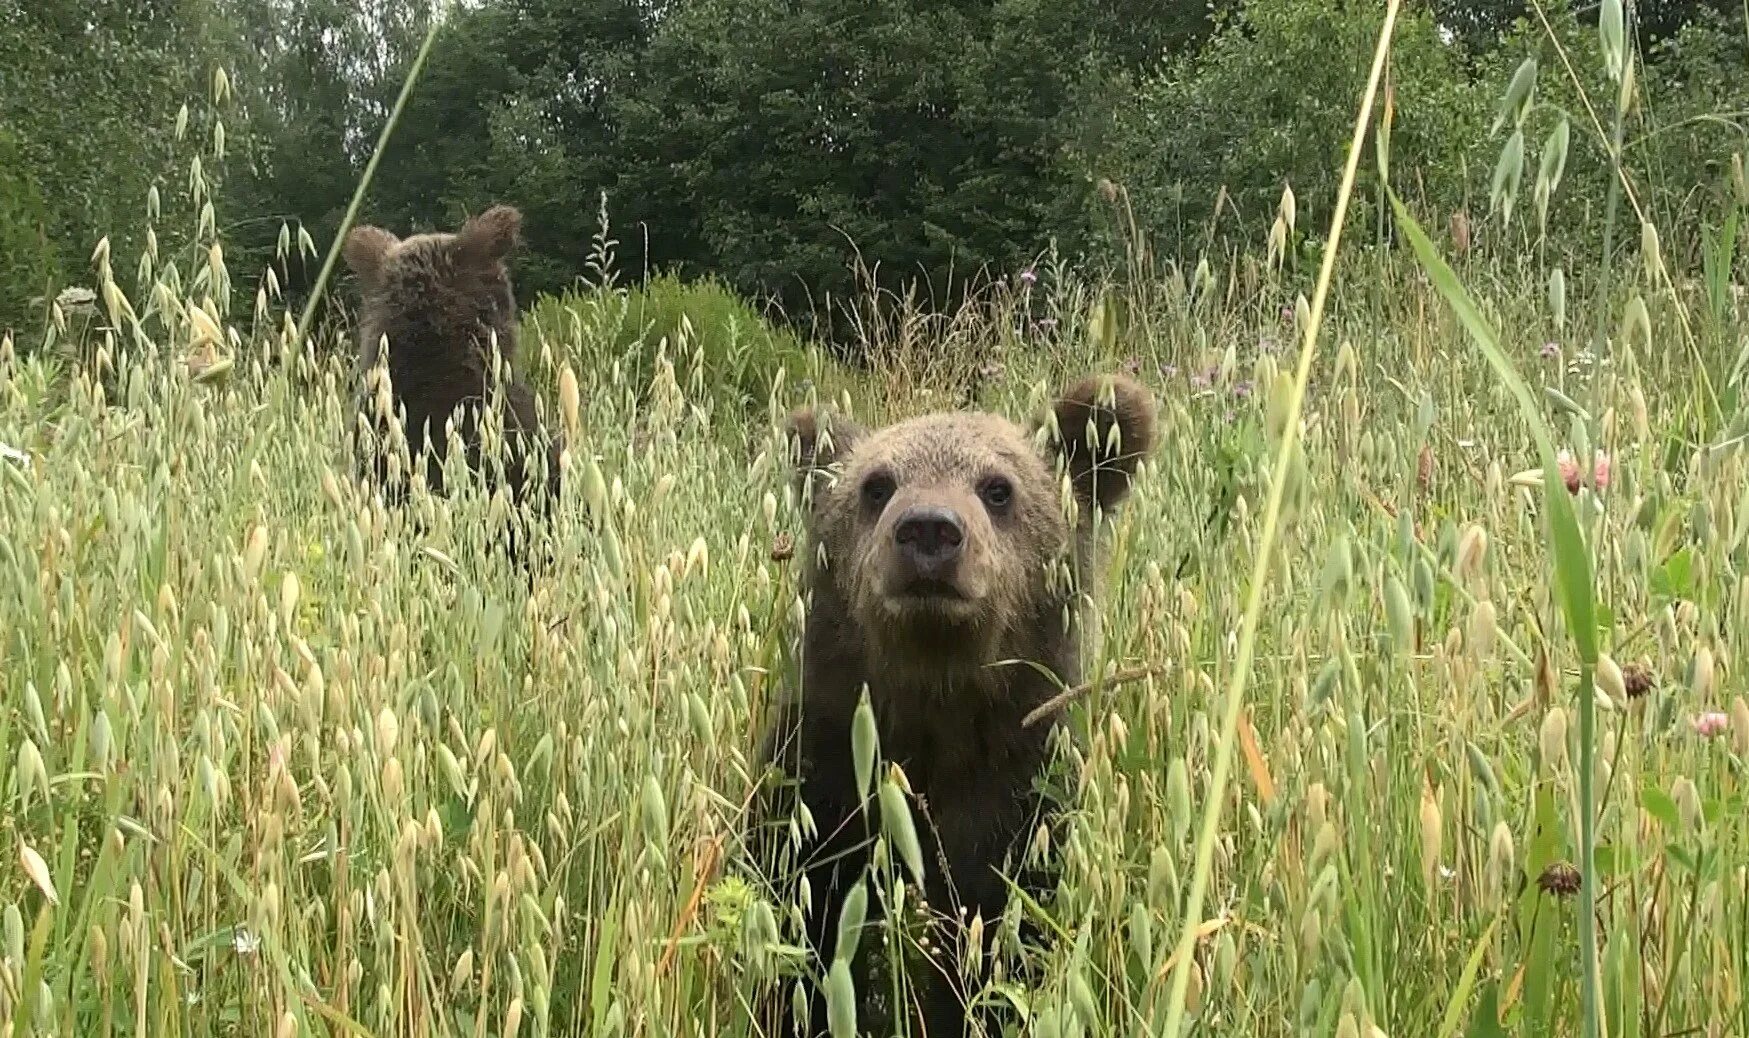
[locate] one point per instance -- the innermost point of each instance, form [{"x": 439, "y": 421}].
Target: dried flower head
[
  {"x": 1560, "y": 879},
  {"x": 783, "y": 547},
  {"x": 1637, "y": 680}
]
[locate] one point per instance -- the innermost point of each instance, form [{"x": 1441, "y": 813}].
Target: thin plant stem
[
  {"x": 370, "y": 168},
  {"x": 1211, "y": 819}
]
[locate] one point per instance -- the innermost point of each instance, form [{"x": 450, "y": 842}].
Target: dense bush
[
  {"x": 702, "y": 327},
  {"x": 1204, "y": 147},
  {"x": 27, "y": 254}
]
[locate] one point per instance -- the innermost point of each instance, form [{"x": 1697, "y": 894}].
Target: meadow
[{"x": 279, "y": 760}]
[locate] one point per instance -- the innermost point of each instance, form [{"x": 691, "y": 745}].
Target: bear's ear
[
  {"x": 816, "y": 441},
  {"x": 489, "y": 237},
  {"x": 1105, "y": 425},
  {"x": 364, "y": 250}
]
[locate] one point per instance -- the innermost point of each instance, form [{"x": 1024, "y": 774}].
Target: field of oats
[{"x": 280, "y": 761}]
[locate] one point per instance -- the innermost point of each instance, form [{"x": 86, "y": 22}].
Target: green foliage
[
  {"x": 1205, "y": 146},
  {"x": 711, "y": 336},
  {"x": 88, "y": 92},
  {"x": 28, "y": 258},
  {"x": 782, "y": 140}
]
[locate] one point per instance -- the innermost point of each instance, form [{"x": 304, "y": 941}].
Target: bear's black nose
[{"x": 930, "y": 537}]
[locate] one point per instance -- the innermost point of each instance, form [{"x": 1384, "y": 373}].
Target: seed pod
[
  {"x": 850, "y": 919},
  {"x": 1178, "y": 798},
  {"x": 1687, "y": 799},
  {"x": 840, "y": 1001},
  {"x": 896, "y": 821},
  {"x": 1141, "y": 933},
  {"x": 1399, "y": 615},
  {"x": 1554, "y": 738},
  {"x": 1700, "y": 673},
  {"x": 1610, "y": 681},
  {"x": 655, "y": 815},
  {"x": 864, "y": 746},
  {"x": 1500, "y": 857},
  {"x": 1432, "y": 836}
]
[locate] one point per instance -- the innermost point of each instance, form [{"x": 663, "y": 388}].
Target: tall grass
[{"x": 277, "y": 760}]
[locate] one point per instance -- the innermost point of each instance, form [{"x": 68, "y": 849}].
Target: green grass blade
[{"x": 1573, "y": 584}]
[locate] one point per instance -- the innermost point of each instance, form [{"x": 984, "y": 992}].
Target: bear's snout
[{"x": 929, "y": 539}]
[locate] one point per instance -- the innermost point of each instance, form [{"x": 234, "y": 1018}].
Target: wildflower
[
  {"x": 1200, "y": 380},
  {"x": 1287, "y": 315},
  {"x": 783, "y": 548},
  {"x": 1047, "y": 324},
  {"x": 1028, "y": 277},
  {"x": 1242, "y": 390},
  {"x": 1569, "y": 471},
  {"x": 1560, "y": 879},
  {"x": 1267, "y": 345},
  {"x": 1574, "y": 478},
  {"x": 1131, "y": 366},
  {"x": 1551, "y": 350},
  {"x": 1636, "y": 679},
  {"x": 244, "y": 942},
  {"x": 1169, "y": 370},
  {"x": 1710, "y": 723}
]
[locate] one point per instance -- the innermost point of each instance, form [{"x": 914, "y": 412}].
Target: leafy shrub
[
  {"x": 27, "y": 259},
  {"x": 705, "y": 326},
  {"x": 1271, "y": 98}
]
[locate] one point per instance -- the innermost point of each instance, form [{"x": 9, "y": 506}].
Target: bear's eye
[
  {"x": 997, "y": 492},
  {"x": 877, "y": 490}
]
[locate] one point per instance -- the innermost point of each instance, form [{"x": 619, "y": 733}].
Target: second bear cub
[{"x": 441, "y": 299}]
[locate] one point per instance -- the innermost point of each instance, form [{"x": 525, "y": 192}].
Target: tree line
[{"x": 801, "y": 149}]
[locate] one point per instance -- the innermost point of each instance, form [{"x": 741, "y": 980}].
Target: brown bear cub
[
  {"x": 441, "y": 299},
  {"x": 936, "y": 576}
]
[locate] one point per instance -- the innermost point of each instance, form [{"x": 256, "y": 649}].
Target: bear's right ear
[
  {"x": 816, "y": 441},
  {"x": 1105, "y": 426},
  {"x": 364, "y": 250},
  {"x": 489, "y": 237}
]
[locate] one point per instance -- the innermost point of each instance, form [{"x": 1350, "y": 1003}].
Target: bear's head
[
  {"x": 454, "y": 286},
  {"x": 943, "y": 531}
]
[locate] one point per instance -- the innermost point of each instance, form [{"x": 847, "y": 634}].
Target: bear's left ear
[
  {"x": 489, "y": 237},
  {"x": 1105, "y": 425},
  {"x": 815, "y": 441}
]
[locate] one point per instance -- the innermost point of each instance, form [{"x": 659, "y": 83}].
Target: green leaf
[
  {"x": 1658, "y": 804},
  {"x": 1461, "y": 993},
  {"x": 1675, "y": 579},
  {"x": 1486, "y": 1021}
]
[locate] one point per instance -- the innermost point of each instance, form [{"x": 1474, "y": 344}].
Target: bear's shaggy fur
[
  {"x": 936, "y": 576},
  {"x": 440, "y": 299}
]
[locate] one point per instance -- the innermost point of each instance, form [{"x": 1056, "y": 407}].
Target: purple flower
[
  {"x": 1028, "y": 276},
  {"x": 1287, "y": 315},
  {"x": 1201, "y": 380},
  {"x": 1551, "y": 350},
  {"x": 1169, "y": 370},
  {"x": 1711, "y": 723},
  {"x": 1242, "y": 389}
]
